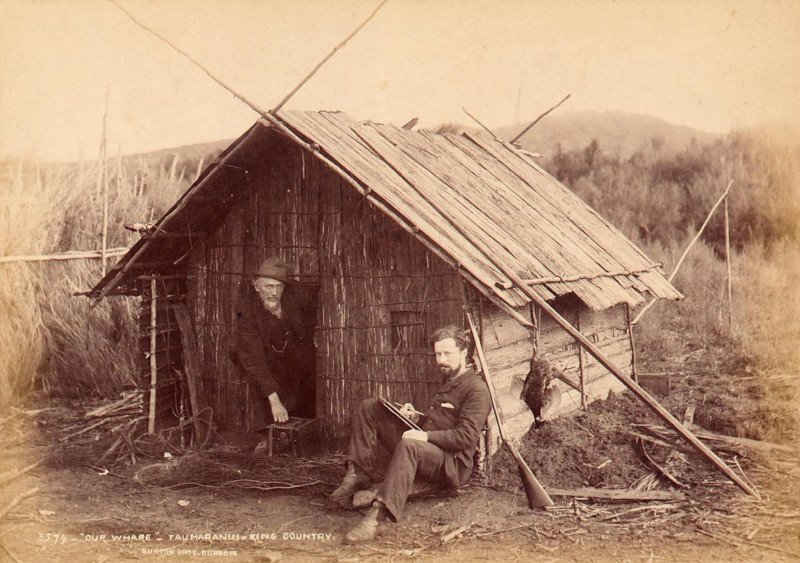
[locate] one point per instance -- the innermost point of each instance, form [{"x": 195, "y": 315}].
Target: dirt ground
[{"x": 223, "y": 503}]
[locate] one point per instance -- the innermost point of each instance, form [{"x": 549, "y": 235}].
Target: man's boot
[
  {"x": 354, "y": 480},
  {"x": 368, "y": 528}
]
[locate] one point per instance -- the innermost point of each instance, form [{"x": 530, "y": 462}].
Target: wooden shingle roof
[{"x": 456, "y": 187}]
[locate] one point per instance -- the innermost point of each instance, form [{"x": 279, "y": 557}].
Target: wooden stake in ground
[
  {"x": 104, "y": 181},
  {"x": 581, "y": 366},
  {"x": 688, "y": 248},
  {"x": 728, "y": 263},
  {"x": 151, "y": 418}
]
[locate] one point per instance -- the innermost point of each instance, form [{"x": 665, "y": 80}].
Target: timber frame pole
[
  {"x": 723, "y": 197},
  {"x": 632, "y": 386}
]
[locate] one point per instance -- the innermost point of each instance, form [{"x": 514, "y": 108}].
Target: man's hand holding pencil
[{"x": 408, "y": 411}]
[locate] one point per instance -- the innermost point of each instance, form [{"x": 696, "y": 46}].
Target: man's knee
[
  {"x": 412, "y": 447},
  {"x": 369, "y": 405}
]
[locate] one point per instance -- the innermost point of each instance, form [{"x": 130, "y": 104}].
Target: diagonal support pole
[
  {"x": 688, "y": 248},
  {"x": 520, "y": 284}
]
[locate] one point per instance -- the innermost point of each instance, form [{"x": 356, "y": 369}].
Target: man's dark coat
[{"x": 278, "y": 354}]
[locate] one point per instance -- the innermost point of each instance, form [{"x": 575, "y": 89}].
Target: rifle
[{"x": 537, "y": 496}]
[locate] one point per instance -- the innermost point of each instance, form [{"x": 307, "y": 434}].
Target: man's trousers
[{"x": 373, "y": 424}]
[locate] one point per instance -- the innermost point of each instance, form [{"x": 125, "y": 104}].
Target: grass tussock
[
  {"x": 50, "y": 340},
  {"x": 744, "y": 372}
]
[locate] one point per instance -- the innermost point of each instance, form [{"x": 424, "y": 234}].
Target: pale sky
[{"x": 708, "y": 64}]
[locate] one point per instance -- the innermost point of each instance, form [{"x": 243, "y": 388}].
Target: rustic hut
[{"x": 366, "y": 212}]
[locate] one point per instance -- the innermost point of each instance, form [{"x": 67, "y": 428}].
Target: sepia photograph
[{"x": 399, "y": 280}]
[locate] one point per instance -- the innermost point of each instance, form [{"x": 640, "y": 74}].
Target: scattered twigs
[
  {"x": 511, "y": 529},
  {"x": 84, "y": 430},
  {"x": 653, "y": 507},
  {"x": 131, "y": 401},
  {"x": 17, "y": 499},
  {"x": 14, "y": 473},
  {"x": 658, "y": 467},
  {"x": 747, "y": 542},
  {"x": 646, "y": 483},
  {"x": 119, "y": 411}
]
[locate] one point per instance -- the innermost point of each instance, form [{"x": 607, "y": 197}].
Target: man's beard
[
  {"x": 273, "y": 307},
  {"x": 448, "y": 371}
]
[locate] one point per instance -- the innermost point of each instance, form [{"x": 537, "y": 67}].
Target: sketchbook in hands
[{"x": 396, "y": 412}]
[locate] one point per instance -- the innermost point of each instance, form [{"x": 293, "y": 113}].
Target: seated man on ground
[{"x": 440, "y": 453}]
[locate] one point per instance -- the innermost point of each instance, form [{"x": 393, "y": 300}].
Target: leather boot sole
[{"x": 350, "y": 484}]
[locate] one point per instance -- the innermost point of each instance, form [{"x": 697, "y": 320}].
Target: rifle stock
[{"x": 537, "y": 496}]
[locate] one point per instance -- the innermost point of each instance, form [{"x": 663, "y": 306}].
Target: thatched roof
[{"x": 451, "y": 188}]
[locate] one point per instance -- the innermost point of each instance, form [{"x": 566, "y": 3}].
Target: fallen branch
[
  {"x": 729, "y": 440},
  {"x": 32, "y": 412},
  {"x": 638, "y": 509},
  {"x": 249, "y": 484},
  {"x": 11, "y": 555},
  {"x": 457, "y": 532},
  {"x": 17, "y": 499},
  {"x": 7, "y": 418},
  {"x": 131, "y": 400},
  {"x": 86, "y": 429},
  {"x": 617, "y": 494},
  {"x": 14, "y": 473}
]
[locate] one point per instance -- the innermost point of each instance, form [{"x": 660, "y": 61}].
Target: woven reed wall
[{"x": 381, "y": 293}]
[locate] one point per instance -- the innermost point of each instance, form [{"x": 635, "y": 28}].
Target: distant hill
[
  {"x": 186, "y": 154},
  {"x": 616, "y": 132}
]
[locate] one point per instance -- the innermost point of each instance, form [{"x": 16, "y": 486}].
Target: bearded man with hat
[{"x": 274, "y": 343}]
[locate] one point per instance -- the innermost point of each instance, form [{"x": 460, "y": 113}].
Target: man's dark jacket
[
  {"x": 278, "y": 354},
  {"x": 457, "y": 414}
]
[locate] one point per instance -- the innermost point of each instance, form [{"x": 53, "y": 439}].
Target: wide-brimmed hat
[{"x": 275, "y": 268}]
